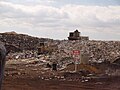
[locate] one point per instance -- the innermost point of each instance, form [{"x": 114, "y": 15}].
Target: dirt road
[
  {"x": 38, "y": 84},
  {"x": 31, "y": 77}
]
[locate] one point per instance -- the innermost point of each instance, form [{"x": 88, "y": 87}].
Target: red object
[{"x": 76, "y": 52}]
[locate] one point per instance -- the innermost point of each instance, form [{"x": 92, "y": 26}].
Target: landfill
[{"x": 58, "y": 67}]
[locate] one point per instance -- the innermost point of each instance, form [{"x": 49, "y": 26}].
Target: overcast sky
[{"x": 98, "y": 19}]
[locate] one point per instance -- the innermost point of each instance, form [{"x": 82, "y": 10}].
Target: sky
[{"x": 98, "y": 19}]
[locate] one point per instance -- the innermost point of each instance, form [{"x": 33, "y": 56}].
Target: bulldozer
[{"x": 46, "y": 48}]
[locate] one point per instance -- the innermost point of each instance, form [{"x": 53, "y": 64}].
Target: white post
[
  {"x": 75, "y": 65},
  {"x": 80, "y": 58}
]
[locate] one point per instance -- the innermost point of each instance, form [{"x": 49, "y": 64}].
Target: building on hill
[{"x": 76, "y": 36}]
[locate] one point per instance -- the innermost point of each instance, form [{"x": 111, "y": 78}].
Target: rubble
[
  {"x": 21, "y": 41},
  {"x": 98, "y": 51}
]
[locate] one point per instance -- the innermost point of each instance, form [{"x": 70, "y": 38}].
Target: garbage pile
[
  {"x": 98, "y": 51},
  {"x": 57, "y": 65},
  {"x": 22, "y": 41},
  {"x": 22, "y": 55}
]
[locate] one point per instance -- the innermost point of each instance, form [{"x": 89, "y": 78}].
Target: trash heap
[
  {"x": 30, "y": 63},
  {"x": 98, "y": 51},
  {"x": 21, "y": 41}
]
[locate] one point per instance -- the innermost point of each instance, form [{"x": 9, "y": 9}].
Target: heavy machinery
[{"x": 45, "y": 48}]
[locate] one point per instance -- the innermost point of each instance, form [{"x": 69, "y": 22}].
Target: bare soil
[{"x": 35, "y": 77}]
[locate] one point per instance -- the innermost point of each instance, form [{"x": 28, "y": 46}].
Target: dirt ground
[
  {"x": 38, "y": 84},
  {"x": 21, "y": 76}
]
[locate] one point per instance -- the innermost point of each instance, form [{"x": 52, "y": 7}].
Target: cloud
[
  {"x": 88, "y": 19},
  {"x": 31, "y": 2}
]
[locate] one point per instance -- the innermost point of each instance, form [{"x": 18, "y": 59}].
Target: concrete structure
[{"x": 76, "y": 36}]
